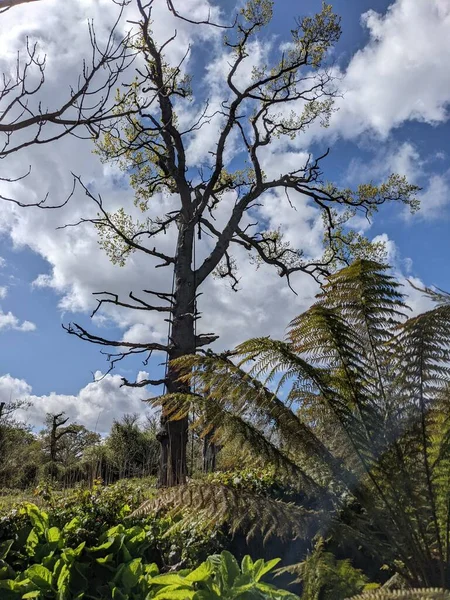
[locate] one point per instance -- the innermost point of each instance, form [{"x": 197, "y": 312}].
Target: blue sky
[{"x": 393, "y": 117}]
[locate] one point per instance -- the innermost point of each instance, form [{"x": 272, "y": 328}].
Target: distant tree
[
  {"x": 53, "y": 437},
  {"x": 73, "y": 447},
  {"x": 20, "y": 451},
  {"x": 132, "y": 451},
  {"x": 7, "y": 421}
]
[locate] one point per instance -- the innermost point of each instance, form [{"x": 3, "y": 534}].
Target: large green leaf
[
  {"x": 131, "y": 574},
  {"x": 31, "y": 542},
  {"x": 5, "y": 547},
  {"x": 72, "y": 525},
  {"x": 175, "y": 593},
  {"x": 38, "y": 518},
  {"x": 40, "y": 576},
  {"x": 53, "y": 535},
  {"x": 229, "y": 568},
  {"x": 116, "y": 594},
  {"x": 170, "y": 579},
  {"x": 201, "y": 573},
  {"x": 261, "y": 567}
]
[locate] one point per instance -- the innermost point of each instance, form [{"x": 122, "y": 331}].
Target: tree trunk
[
  {"x": 173, "y": 435},
  {"x": 210, "y": 451}
]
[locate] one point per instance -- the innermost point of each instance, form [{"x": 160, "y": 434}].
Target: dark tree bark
[
  {"x": 173, "y": 435},
  {"x": 210, "y": 452},
  {"x": 56, "y": 433}
]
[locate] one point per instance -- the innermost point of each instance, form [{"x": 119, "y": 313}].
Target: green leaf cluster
[{"x": 116, "y": 568}]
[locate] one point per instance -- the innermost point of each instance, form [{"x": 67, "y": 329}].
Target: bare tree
[
  {"x": 55, "y": 433},
  {"x": 281, "y": 99},
  {"x": 25, "y": 121}
]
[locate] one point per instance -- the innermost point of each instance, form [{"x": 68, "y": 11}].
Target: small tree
[
  {"x": 280, "y": 100},
  {"x": 20, "y": 453},
  {"x": 132, "y": 451}
]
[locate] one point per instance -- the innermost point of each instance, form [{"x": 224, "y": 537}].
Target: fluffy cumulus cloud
[
  {"x": 96, "y": 405},
  {"x": 10, "y": 321},
  {"x": 398, "y": 76},
  {"x": 402, "y": 73}
]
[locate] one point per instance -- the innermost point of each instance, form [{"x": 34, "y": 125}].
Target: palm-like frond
[
  {"x": 216, "y": 504},
  {"x": 225, "y": 384},
  {"x": 254, "y": 444}
]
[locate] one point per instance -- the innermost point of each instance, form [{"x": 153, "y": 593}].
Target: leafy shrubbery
[
  {"x": 102, "y": 507},
  {"x": 45, "y": 561},
  {"x": 262, "y": 481},
  {"x": 418, "y": 594}
]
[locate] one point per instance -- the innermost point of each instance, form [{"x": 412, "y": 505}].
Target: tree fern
[{"x": 355, "y": 406}]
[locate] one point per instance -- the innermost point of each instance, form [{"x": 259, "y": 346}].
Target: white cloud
[
  {"x": 10, "y": 321},
  {"x": 402, "y": 73},
  {"x": 2, "y": 262},
  {"x": 3, "y": 291},
  {"x": 96, "y": 405},
  {"x": 13, "y": 389},
  {"x": 435, "y": 198}
]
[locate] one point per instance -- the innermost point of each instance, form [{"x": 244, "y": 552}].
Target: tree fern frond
[
  {"x": 367, "y": 297},
  {"x": 257, "y": 447},
  {"x": 222, "y": 382},
  {"x": 435, "y": 294},
  {"x": 227, "y": 426},
  {"x": 320, "y": 573},
  {"x": 252, "y": 513}
]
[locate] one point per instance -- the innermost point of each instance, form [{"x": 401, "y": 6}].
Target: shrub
[{"x": 119, "y": 566}]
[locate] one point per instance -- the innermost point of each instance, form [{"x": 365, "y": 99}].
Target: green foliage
[
  {"x": 325, "y": 578},
  {"x": 79, "y": 455},
  {"x": 264, "y": 481},
  {"x": 18, "y": 449},
  {"x": 43, "y": 562},
  {"x": 97, "y": 509}
]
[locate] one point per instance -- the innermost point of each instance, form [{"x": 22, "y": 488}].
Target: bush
[
  {"x": 42, "y": 561},
  {"x": 262, "y": 481},
  {"x": 98, "y": 509}
]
